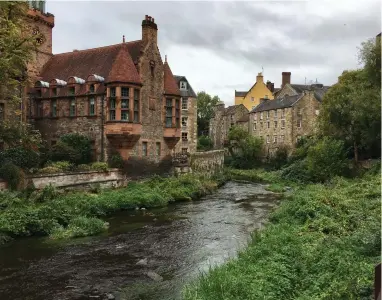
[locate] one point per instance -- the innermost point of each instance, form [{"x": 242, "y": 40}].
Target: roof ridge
[{"x": 97, "y": 48}]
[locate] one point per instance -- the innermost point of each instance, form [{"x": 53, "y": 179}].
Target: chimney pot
[
  {"x": 146, "y": 17},
  {"x": 123, "y": 38}
]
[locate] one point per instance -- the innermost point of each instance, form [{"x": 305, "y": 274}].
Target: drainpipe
[{"x": 102, "y": 128}]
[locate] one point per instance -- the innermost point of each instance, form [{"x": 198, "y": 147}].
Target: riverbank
[
  {"x": 78, "y": 213},
  {"x": 321, "y": 243}
]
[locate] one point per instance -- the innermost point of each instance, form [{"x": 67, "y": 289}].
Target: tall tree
[
  {"x": 370, "y": 57},
  {"x": 205, "y": 104}
]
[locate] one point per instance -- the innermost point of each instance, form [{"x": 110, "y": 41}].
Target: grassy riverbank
[
  {"x": 322, "y": 243},
  {"x": 77, "y": 213}
]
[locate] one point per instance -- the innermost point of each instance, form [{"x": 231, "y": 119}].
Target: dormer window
[
  {"x": 91, "y": 88},
  {"x": 183, "y": 85}
]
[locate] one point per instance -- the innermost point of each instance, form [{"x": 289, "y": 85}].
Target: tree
[
  {"x": 370, "y": 57},
  {"x": 205, "y": 104}
]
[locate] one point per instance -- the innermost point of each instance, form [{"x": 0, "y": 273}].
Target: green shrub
[
  {"x": 61, "y": 165},
  {"x": 297, "y": 172},
  {"x": 21, "y": 157},
  {"x": 99, "y": 166},
  {"x": 12, "y": 174},
  {"x": 61, "y": 152},
  {"x": 326, "y": 159},
  {"x": 83, "y": 167},
  {"x": 49, "y": 170},
  {"x": 73, "y": 147},
  {"x": 116, "y": 161},
  {"x": 204, "y": 143},
  {"x": 279, "y": 158}
]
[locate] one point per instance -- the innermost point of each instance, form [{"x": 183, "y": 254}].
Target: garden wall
[
  {"x": 79, "y": 180},
  {"x": 208, "y": 162}
]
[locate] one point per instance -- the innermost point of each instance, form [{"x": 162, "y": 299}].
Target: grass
[
  {"x": 321, "y": 243},
  {"x": 77, "y": 214}
]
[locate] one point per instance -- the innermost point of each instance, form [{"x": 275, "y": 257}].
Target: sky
[{"x": 221, "y": 46}]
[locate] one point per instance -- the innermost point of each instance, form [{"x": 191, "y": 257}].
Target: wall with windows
[{"x": 188, "y": 124}]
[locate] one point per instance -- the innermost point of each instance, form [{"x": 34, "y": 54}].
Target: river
[{"x": 176, "y": 242}]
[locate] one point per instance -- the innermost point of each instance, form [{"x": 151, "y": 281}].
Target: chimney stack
[
  {"x": 259, "y": 77},
  {"x": 285, "y": 78},
  {"x": 270, "y": 86},
  {"x": 149, "y": 30}
]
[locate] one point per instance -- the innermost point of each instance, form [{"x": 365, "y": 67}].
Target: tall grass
[
  {"x": 322, "y": 243},
  {"x": 75, "y": 214}
]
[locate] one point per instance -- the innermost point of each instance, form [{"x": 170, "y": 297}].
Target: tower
[{"x": 40, "y": 25}]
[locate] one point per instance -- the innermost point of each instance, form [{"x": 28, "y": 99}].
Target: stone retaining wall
[{"x": 208, "y": 162}]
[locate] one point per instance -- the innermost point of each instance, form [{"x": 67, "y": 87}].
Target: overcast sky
[{"x": 221, "y": 46}]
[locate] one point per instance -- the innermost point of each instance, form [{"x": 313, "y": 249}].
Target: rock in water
[
  {"x": 154, "y": 276},
  {"x": 110, "y": 297},
  {"x": 142, "y": 262}
]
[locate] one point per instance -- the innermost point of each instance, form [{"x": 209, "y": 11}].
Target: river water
[{"x": 177, "y": 243}]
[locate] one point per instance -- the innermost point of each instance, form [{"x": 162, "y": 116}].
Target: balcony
[{"x": 120, "y": 132}]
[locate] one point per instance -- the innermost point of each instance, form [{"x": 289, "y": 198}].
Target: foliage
[
  {"x": 370, "y": 56},
  {"x": 205, "y": 104},
  {"x": 204, "y": 143},
  {"x": 99, "y": 166},
  {"x": 73, "y": 147},
  {"x": 24, "y": 158},
  {"x": 62, "y": 215},
  {"x": 61, "y": 151},
  {"x": 322, "y": 243},
  {"x": 61, "y": 165},
  {"x": 245, "y": 149},
  {"x": 83, "y": 167},
  {"x": 279, "y": 158},
  {"x": 12, "y": 174},
  {"x": 16, "y": 134},
  {"x": 116, "y": 161},
  {"x": 49, "y": 170}
]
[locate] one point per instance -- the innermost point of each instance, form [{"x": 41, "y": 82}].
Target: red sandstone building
[{"x": 123, "y": 96}]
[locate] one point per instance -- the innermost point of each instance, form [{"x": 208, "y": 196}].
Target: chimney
[
  {"x": 259, "y": 77},
  {"x": 149, "y": 30},
  {"x": 270, "y": 86},
  {"x": 285, "y": 78},
  {"x": 123, "y": 39}
]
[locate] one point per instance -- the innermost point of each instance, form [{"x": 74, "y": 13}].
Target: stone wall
[
  {"x": 207, "y": 163},
  {"x": 192, "y": 132},
  {"x": 79, "y": 180}
]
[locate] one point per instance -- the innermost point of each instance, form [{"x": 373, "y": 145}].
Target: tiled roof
[
  {"x": 189, "y": 92},
  {"x": 283, "y": 102},
  {"x": 170, "y": 84},
  {"x": 244, "y": 118},
  {"x": 90, "y": 61},
  {"x": 123, "y": 69},
  {"x": 240, "y": 94}
]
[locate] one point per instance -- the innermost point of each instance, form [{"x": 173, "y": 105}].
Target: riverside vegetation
[{"x": 76, "y": 214}]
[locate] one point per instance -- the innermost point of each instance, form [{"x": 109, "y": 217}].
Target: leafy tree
[
  {"x": 204, "y": 143},
  {"x": 370, "y": 57},
  {"x": 205, "y": 104},
  {"x": 74, "y": 148}
]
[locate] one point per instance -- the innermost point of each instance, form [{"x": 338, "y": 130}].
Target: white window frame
[
  {"x": 261, "y": 115},
  {"x": 299, "y": 124},
  {"x": 183, "y": 85},
  {"x": 255, "y": 116},
  {"x": 254, "y": 126},
  {"x": 267, "y": 114},
  {"x": 184, "y": 103},
  {"x": 268, "y": 140},
  {"x": 275, "y": 139},
  {"x": 282, "y": 124},
  {"x": 186, "y": 121}
]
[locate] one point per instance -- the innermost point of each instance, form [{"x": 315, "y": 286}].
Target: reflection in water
[{"x": 178, "y": 242}]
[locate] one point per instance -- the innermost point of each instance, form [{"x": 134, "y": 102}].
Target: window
[
  {"x": 317, "y": 112},
  {"x": 112, "y": 92},
  {"x": 275, "y": 124},
  {"x": 184, "y": 150},
  {"x": 177, "y": 113},
  {"x": 275, "y": 115},
  {"x": 112, "y": 110},
  {"x": 254, "y": 126},
  {"x": 282, "y": 124},
  {"x": 283, "y": 113},
  {"x": 268, "y": 114},
  {"x": 54, "y": 108},
  {"x": 158, "y": 148},
  {"x": 72, "y": 107},
  {"x": 54, "y": 92},
  {"x": 91, "y": 106},
  {"x": 183, "y": 85},
  {"x": 255, "y": 116},
  {"x": 40, "y": 111},
  {"x": 136, "y": 106},
  {"x": 261, "y": 115},
  {"x": 281, "y": 138},
  {"x": 252, "y": 99},
  {"x": 268, "y": 139},
  {"x": 184, "y": 136},
  {"x": 299, "y": 122},
  {"x": 184, "y": 121},
  {"x": 299, "y": 111},
  {"x": 2, "y": 112},
  {"x": 72, "y": 91},
  {"x": 275, "y": 139},
  {"x": 261, "y": 124},
  {"x": 184, "y": 103},
  {"x": 144, "y": 148},
  {"x": 268, "y": 124},
  {"x": 125, "y": 92},
  {"x": 91, "y": 88},
  {"x": 168, "y": 112}
]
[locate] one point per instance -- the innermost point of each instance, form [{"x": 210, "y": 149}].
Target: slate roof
[
  {"x": 81, "y": 63},
  {"x": 231, "y": 109},
  {"x": 189, "y": 92},
  {"x": 170, "y": 84},
  {"x": 240, "y": 94},
  {"x": 283, "y": 102},
  {"x": 244, "y": 118}
]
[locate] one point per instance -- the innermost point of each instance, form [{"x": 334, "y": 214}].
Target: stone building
[
  {"x": 223, "y": 120},
  {"x": 189, "y": 130},
  {"x": 122, "y": 96},
  {"x": 282, "y": 121}
]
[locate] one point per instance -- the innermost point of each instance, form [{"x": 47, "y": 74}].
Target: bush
[
  {"x": 61, "y": 165},
  {"x": 116, "y": 161},
  {"x": 21, "y": 157},
  {"x": 280, "y": 157},
  {"x": 83, "y": 167},
  {"x": 204, "y": 143},
  {"x": 99, "y": 166},
  {"x": 326, "y": 159},
  {"x": 73, "y": 147},
  {"x": 12, "y": 174},
  {"x": 50, "y": 170},
  {"x": 62, "y": 152},
  {"x": 297, "y": 172}
]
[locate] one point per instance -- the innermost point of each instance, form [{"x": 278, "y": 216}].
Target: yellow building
[{"x": 251, "y": 98}]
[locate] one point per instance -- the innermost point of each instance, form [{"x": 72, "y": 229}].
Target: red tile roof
[
  {"x": 123, "y": 69},
  {"x": 90, "y": 61},
  {"x": 170, "y": 85}
]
